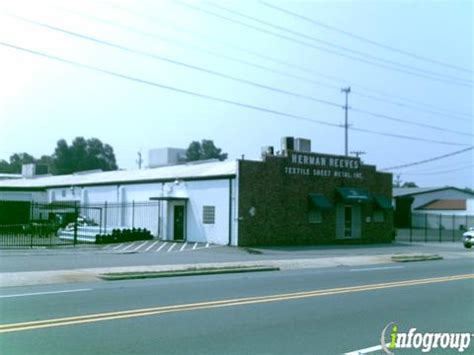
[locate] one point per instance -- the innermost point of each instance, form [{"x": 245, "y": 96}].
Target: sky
[{"x": 147, "y": 74}]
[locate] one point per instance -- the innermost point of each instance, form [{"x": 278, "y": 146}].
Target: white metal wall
[
  {"x": 37, "y": 196},
  {"x": 208, "y": 193},
  {"x": 200, "y": 193}
]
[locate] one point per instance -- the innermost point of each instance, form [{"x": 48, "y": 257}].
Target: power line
[
  {"x": 457, "y": 81},
  {"x": 179, "y": 63},
  {"x": 216, "y": 99},
  {"x": 430, "y": 160},
  {"x": 394, "y": 135},
  {"x": 364, "y": 39},
  {"x": 414, "y": 104},
  {"x": 452, "y": 165},
  {"x": 327, "y": 43},
  {"x": 187, "y": 45},
  {"x": 413, "y": 123},
  {"x": 233, "y": 78},
  {"x": 411, "y": 107},
  {"x": 442, "y": 171}
]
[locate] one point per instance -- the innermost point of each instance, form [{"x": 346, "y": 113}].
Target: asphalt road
[
  {"x": 323, "y": 311},
  {"x": 93, "y": 257}
]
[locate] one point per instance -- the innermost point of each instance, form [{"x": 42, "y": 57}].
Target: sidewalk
[
  {"x": 11, "y": 279},
  {"x": 81, "y": 266}
]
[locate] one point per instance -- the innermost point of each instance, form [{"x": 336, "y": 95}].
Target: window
[
  {"x": 379, "y": 216},
  {"x": 315, "y": 216},
  {"x": 208, "y": 214},
  {"x": 63, "y": 193}
]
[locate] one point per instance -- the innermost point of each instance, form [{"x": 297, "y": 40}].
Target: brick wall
[{"x": 273, "y": 205}]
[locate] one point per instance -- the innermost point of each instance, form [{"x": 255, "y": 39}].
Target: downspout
[
  {"x": 230, "y": 213},
  {"x": 161, "y": 215}
]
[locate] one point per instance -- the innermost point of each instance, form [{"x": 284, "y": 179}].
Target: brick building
[{"x": 309, "y": 198}]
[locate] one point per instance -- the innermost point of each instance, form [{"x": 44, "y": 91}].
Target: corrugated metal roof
[
  {"x": 184, "y": 171},
  {"x": 402, "y": 191},
  {"x": 10, "y": 176},
  {"x": 454, "y": 205},
  {"x": 407, "y": 191}
]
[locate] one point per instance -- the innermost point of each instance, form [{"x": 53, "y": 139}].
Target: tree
[
  {"x": 83, "y": 155},
  {"x": 194, "y": 151},
  {"x": 204, "y": 150},
  {"x": 62, "y": 159},
  {"x": 17, "y": 160},
  {"x": 409, "y": 184},
  {"x": 5, "y": 167},
  {"x": 13, "y": 166}
]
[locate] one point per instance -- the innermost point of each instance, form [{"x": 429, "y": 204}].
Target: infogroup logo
[{"x": 392, "y": 339}]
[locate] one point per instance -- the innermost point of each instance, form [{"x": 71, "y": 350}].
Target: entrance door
[
  {"x": 178, "y": 222},
  {"x": 347, "y": 221}
]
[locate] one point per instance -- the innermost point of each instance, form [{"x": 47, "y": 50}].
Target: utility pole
[
  {"x": 346, "y": 90},
  {"x": 357, "y": 153},
  {"x": 398, "y": 180},
  {"x": 139, "y": 160}
]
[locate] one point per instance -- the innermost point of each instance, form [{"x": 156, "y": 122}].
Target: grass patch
[{"x": 253, "y": 251}]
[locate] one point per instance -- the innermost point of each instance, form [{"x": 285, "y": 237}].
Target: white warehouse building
[{"x": 192, "y": 202}]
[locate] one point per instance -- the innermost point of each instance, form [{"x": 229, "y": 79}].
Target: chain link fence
[{"x": 435, "y": 227}]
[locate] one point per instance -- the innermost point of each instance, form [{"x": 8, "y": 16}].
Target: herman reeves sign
[{"x": 323, "y": 166}]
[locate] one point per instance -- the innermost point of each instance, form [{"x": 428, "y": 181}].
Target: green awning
[
  {"x": 354, "y": 194},
  {"x": 383, "y": 202},
  {"x": 319, "y": 201}
]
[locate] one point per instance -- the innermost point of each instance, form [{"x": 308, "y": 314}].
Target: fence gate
[{"x": 31, "y": 224}]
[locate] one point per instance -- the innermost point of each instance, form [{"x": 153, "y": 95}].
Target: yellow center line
[{"x": 98, "y": 317}]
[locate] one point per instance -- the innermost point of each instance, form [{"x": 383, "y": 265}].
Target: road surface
[{"x": 312, "y": 311}]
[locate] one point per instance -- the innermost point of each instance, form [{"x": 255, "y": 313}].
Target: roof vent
[
  {"x": 87, "y": 172},
  {"x": 267, "y": 150}
]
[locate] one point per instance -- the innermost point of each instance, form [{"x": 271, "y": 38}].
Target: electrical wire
[
  {"x": 230, "y": 77},
  {"x": 309, "y": 45},
  {"x": 329, "y": 44},
  {"x": 214, "y": 98},
  {"x": 441, "y": 171},
  {"x": 413, "y": 123},
  {"x": 363, "y": 39},
  {"x": 187, "y": 45},
  {"x": 401, "y": 100},
  {"x": 451, "y": 165},
  {"x": 429, "y": 160}
]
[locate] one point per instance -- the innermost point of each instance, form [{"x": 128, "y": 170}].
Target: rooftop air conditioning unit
[
  {"x": 287, "y": 144},
  {"x": 303, "y": 145}
]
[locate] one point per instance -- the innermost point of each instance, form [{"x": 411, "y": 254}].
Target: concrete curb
[
  {"x": 195, "y": 272},
  {"x": 410, "y": 258},
  {"x": 12, "y": 279}
]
